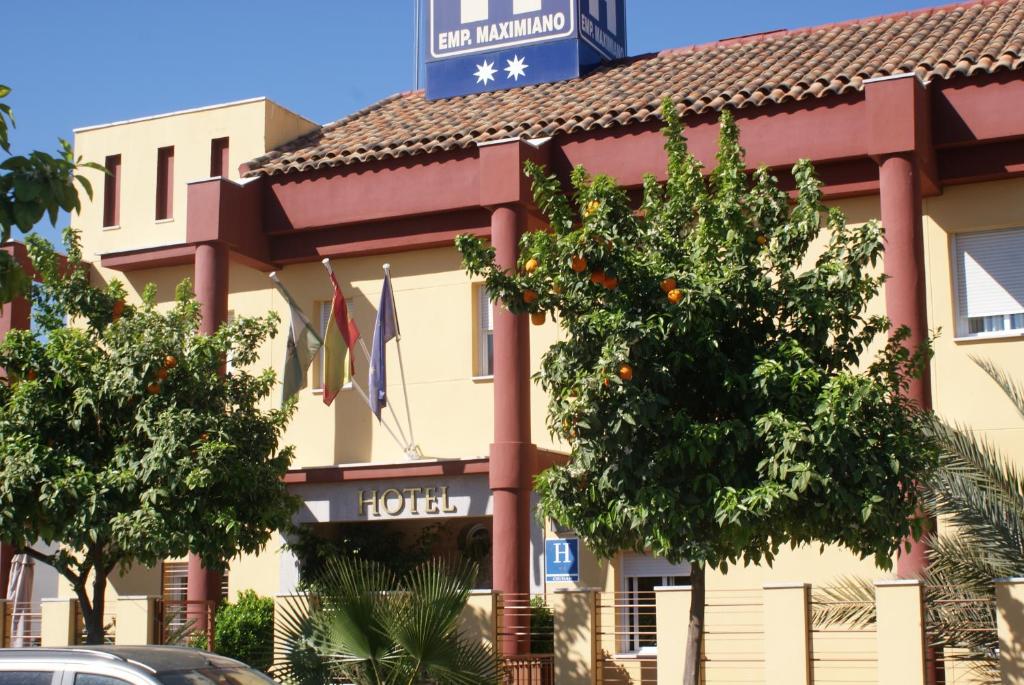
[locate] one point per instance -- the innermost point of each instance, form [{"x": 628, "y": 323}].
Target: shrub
[{"x": 245, "y": 630}]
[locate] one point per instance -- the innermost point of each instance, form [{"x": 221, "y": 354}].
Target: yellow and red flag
[{"x": 339, "y": 346}]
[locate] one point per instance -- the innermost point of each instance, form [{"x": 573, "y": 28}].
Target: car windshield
[{"x": 216, "y": 676}]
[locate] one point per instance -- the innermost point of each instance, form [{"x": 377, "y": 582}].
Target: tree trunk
[
  {"x": 92, "y": 611},
  {"x": 695, "y": 633}
]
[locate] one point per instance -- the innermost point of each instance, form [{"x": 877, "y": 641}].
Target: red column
[
  {"x": 211, "y": 287},
  {"x": 900, "y": 191},
  {"x": 13, "y": 315},
  {"x": 512, "y": 452}
]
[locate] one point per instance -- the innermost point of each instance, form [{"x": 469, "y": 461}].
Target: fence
[
  {"x": 524, "y": 632},
  {"x": 185, "y": 622},
  {"x": 109, "y": 624},
  {"x": 27, "y": 631},
  {"x": 626, "y": 630},
  {"x": 843, "y": 647}
]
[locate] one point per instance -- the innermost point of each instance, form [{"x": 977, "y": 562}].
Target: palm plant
[
  {"x": 357, "y": 622},
  {"x": 979, "y": 494}
]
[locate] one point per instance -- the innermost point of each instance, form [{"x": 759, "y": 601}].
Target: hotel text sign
[
  {"x": 477, "y": 46},
  {"x": 394, "y": 498},
  {"x": 392, "y": 502}
]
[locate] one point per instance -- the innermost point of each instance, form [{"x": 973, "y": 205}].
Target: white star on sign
[
  {"x": 485, "y": 72},
  {"x": 516, "y": 67}
]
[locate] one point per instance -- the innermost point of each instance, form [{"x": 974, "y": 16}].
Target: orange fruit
[
  {"x": 579, "y": 264},
  {"x": 162, "y": 374},
  {"x": 606, "y": 382},
  {"x": 31, "y": 375},
  {"x": 531, "y": 266},
  {"x": 537, "y": 318},
  {"x": 592, "y": 207},
  {"x": 530, "y": 296},
  {"x": 170, "y": 361},
  {"x": 675, "y": 296},
  {"x": 153, "y": 388},
  {"x": 668, "y": 284},
  {"x": 597, "y": 276},
  {"x": 611, "y": 283},
  {"x": 626, "y": 372},
  {"x": 762, "y": 239}
]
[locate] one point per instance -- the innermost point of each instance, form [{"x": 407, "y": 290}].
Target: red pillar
[
  {"x": 16, "y": 315},
  {"x": 512, "y": 452},
  {"x": 900, "y": 191},
  {"x": 211, "y": 288}
]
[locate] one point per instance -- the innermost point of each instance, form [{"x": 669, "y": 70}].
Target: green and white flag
[{"x": 303, "y": 345}]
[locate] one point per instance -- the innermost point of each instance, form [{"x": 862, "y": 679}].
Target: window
[
  {"x": 229, "y": 362},
  {"x": 641, "y": 574},
  {"x": 219, "y": 157},
  {"x": 174, "y": 590},
  {"x": 164, "y": 183},
  {"x": 323, "y": 312},
  {"x": 485, "y": 332},
  {"x": 989, "y": 282},
  {"x": 112, "y": 192},
  {"x": 26, "y": 677},
  {"x": 94, "y": 679}
]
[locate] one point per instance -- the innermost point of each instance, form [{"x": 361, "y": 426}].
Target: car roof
[{"x": 151, "y": 658}]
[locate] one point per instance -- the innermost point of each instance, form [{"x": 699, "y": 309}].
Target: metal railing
[
  {"x": 733, "y": 650},
  {"x": 626, "y": 629},
  {"x": 185, "y": 622},
  {"x": 109, "y": 624},
  {"x": 843, "y": 652},
  {"x": 525, "y": 639},
  {"x": 960, "y": 631},
  {"x": 30, "y": 624}
]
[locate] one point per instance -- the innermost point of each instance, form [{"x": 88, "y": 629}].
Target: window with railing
[{"x": 641, "y": 574}]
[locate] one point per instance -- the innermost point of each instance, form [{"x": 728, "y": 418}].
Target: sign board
[
  {"x": 398, "y": 498},
  {"x": 562, "y": 560},
  {"x": 476, "y": 46}
]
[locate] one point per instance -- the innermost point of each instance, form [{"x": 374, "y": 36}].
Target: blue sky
[{"x": 75, "y": 63}]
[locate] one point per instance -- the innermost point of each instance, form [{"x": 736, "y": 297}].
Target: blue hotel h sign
[{"x": 476, "y": 46}]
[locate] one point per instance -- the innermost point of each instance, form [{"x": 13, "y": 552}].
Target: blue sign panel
[
  {"x": 476, "y": 46},
  {"x": 562, "y": 560}
]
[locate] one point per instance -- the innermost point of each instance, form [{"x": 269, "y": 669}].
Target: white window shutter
[
  {"x": 633, "y": 564},
  {"x": 990, "y": 274},
  {"x": 486, "y": 310}
]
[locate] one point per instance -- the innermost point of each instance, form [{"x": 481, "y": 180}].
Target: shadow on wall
[{"x": 1011, "y": 612}]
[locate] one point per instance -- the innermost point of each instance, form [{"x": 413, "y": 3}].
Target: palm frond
[
  {"x": 297, "y": 661},
  {"x": 473, "y": 663},
  {"x": 977, "y": 489},
  {"x": 848, "y": 601},
  {"x": 368, "y": 627}
]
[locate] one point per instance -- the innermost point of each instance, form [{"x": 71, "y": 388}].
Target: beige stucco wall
[
  {"x": 962, "y": 391},
  {"x": 252, "y": 126}
]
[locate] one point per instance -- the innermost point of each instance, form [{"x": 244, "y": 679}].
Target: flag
[
  {"x": 303, "y": 346},
  {"x": 339, "y": 344},
  {"x": 384, "y": 329}
]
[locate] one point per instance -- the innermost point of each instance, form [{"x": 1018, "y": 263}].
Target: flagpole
[
  {"x": 408, "y": 448},
  {"x": 401, "y": 364}
]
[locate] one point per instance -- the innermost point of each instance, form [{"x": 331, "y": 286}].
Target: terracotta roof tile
[{"x": 978, "y": 37}]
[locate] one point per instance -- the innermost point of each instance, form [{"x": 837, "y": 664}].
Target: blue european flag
[{"x": 384, "y": 329}]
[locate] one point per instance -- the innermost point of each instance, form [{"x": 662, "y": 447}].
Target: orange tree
[
  {"x": 32, "y": 187},
  {"x": 122, "y": 440},
  {"x": 710, "y": 380}
]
